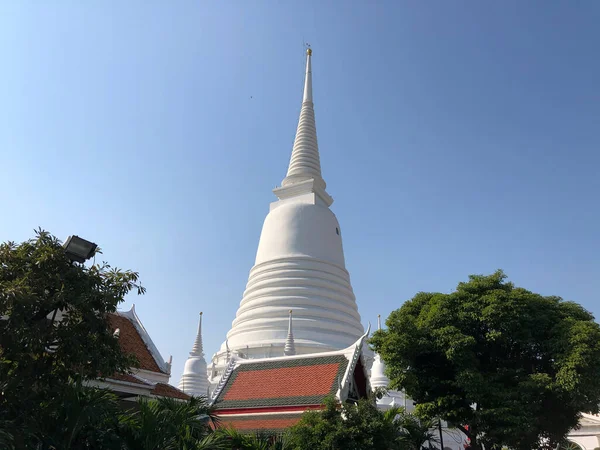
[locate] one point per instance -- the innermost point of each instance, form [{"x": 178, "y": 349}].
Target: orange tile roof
[
  {"x": 132, "y": 343},
  {"x": 159, "y": 389},
  {"x": 166, "y": 390},
  {"x": 284, "y": 382},
  {"x": 126, "y": 377}
]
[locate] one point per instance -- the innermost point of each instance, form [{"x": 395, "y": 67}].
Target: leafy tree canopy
[
  {"x": 360, "y": 427},
  {"x": 507, "y": 366},
  {"x": 40, "y": 356},
  {"x": 168, "y": 424}
]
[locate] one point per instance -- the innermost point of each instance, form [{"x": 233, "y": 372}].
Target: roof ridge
[
  {"x": 343, "y": 352},
  {"x": 224, "y": 378},
  {"x": 132, "y": 316},
  {"x": 358, "y": 350}
]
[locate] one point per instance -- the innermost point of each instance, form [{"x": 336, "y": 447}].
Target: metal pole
[{"x": 441, "y": 434}]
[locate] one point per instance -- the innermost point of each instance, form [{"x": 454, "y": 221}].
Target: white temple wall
[{"x": 586, "y": 442}]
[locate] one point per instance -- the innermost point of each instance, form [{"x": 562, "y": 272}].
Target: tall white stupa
[{"x": 299, "y": 265}]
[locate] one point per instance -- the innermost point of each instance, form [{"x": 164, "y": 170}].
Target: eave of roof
[
  {"x": 263, "y": 422},
  {"x": 156, "y": 389},
  {"x": 166, "y": 390}
]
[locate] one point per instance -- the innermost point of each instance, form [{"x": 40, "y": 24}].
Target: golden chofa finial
[{"x": 309, "y": 51}]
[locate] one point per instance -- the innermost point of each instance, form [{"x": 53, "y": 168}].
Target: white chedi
[
  {"x": 299, "y": 265},
  {"x": 378, "y": 379},
  {"x": 194, "y": 380}
]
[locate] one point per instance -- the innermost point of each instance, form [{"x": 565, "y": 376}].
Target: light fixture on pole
[{"x": 78, "y": 249}]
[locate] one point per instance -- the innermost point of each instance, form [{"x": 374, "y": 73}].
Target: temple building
[
  {"x": 151, "y": 377},
  {"x": 297, "y": 334},
  {"x": 587, "y": 437},
  {"x": 273, "y": 393}
]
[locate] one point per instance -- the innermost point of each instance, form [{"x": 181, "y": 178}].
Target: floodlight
[{"x": 78, "y": 249}]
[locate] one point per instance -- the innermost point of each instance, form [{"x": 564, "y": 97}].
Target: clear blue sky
[{"x": 456, "y": 138}]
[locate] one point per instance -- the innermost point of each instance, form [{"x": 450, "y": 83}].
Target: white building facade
[{"x": 587, "y": 437}]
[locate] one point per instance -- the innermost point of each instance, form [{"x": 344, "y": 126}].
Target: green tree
[
  {"x": 39, "y": 356},
  {"x": 348, "y": 427},
  {"x": 508, "y": 367},
  {"x": 77, "y": 417},
  {"x": 261, "y": 440},
  {"x": 168, "y": 424},
  {"x": 413, "y": 432}
]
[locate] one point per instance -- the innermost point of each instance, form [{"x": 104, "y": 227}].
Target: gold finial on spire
[{"x": 309, "y": 51}]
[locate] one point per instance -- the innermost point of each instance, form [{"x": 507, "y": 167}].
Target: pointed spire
[
  {"x": 289, "y": 349},
  {"x": 194, "y": 380},
  {"x": 197, "y": 349},
  {"x": 308, "y": 78},
  {"x": 305, "y": 163},
  {"x": 378, "y": 377}
]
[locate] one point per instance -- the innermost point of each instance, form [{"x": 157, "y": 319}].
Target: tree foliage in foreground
[
  {"x": 39, "y": 356},
  {"x": 505, "y": 365},
  {"x": 168, "y": 424},
  {"x": 359, "y": 427},
  {"x": 259, "y": 440}
]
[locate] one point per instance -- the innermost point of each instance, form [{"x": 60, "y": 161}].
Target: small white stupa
[
  {"x": 194, "y": 380},
  {"x": 378, "y": 379},
  {"x": 289, "y": 349}
]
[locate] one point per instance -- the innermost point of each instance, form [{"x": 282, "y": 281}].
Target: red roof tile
[
  {"x": 159, "y": 389},
  {"x": 132, "y": 343},
  {"x": 166, "y": 390},
  {"x": 126, "y": 377},
  {"x": 283, "y": 382}
]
